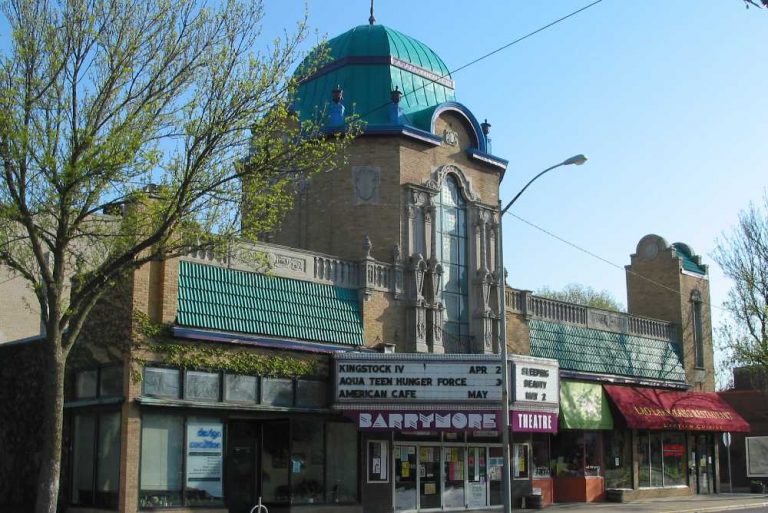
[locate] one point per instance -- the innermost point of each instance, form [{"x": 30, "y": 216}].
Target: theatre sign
[{"x": 535, "y": 395}]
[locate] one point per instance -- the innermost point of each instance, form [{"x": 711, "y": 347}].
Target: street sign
[{"x": 727, "y": 439}]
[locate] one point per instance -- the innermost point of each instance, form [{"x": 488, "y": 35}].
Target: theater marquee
[{"x": 417, "y": 379}]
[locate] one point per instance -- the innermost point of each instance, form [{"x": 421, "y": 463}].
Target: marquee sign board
[
  {"x": 536, "y": 381},
  {"x": 411, "y": 380}
]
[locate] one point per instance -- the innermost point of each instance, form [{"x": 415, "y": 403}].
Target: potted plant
[{"x": 756, "y": 487}]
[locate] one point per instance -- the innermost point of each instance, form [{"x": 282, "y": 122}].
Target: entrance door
[
  {"x": 257, "y": 464},
  {"x": 477, "y": 477},
  {"x": 405, "y": 473},
  {"x": 704, "y": 465},
  {"x": 453, "y": 494}
]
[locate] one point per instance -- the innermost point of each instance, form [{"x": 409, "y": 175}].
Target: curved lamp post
[{"x": 506, "y": 478}]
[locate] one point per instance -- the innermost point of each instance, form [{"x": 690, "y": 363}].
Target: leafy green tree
[
  {"x": 743, "y": 256},
  {"x": 583, "y": 295},
  {"x": 99, "y": 99}
]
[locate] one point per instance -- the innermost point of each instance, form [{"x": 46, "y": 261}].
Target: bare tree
[
  {"x": 99, "y": 99},
  {"x": 743, "y": 256}
]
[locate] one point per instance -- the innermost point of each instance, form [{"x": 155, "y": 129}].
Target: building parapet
[
  {"x": 537, "y": 307},
  {"x": 366, "y": 274}
]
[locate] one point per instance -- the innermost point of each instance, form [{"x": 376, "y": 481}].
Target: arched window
[{"x": 452, "y": 253}]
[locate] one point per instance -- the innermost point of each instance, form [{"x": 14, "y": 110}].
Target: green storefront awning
[{"x": 584, "y": 406}]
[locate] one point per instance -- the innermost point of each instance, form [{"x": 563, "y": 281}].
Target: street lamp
[{"x": 506, "y": 478}]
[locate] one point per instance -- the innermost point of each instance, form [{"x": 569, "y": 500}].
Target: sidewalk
[{"x": 693, "y": 504}]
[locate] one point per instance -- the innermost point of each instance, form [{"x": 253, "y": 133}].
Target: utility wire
[
  {"x": 430, "y": 81},
  {"x": 605, "y": 260}
]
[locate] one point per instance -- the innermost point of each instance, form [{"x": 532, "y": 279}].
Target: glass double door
[
  {"x": 257, "y": 464},
  {"x": 704, "y": 465},
  {"x": 433, "y": 477}
]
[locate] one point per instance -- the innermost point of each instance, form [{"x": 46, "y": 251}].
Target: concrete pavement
[{"x": 693, "y": 504}]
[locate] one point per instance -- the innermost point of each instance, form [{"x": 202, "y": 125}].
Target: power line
[
  {"x": 605, "y": 260},
  {"x": 429, "y": 81}
]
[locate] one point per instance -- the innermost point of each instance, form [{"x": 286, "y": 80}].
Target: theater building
[{"x": 360, "y": 373}]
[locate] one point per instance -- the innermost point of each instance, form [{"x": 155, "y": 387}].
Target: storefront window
[
  {"x": 111, "y": 381},
  {"x": 108, "y": 460},
  {"x": 341, "y": 462},
  {"x": 201, "y": 386},
  {"x": 579, "y": 453},
  {"x": 592, "y": 453},
  {"x": 275, "y": 462},
  {"x": 82, "y": 459},
  {"x": 277, "y": 392},
  {"x": 570, "y": 454},
  {"x": 495, "y": 469},
  {"x": 204, "y": 462},
  {"x": 162, "y": 439},
  {"x": 661, "y": 458},
  {"x": 307, "y": 461},
  {"x": 540, "y": 456},
  {"x": 656, "y": 463},
  {"x": 241, "y": 389},
  {"x": 520, "y": 461},
  {"x": 86, "y": 384},
  {"x": 674, "y": 459},
  {"x": 310, "y": 394},
  {"x": 644, "y": 459},
  {"x": 617, "y": 450},
  {"x": 96, "y": 460},
  {"x": 161, "y": 382}
]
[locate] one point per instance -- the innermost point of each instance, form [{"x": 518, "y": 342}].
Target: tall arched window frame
[{"x": 453, "y": 255}]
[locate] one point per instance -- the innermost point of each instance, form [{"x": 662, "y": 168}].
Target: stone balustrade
[
  {"x": 537, "y": 307},
  {"x": 366, "y": 274}
]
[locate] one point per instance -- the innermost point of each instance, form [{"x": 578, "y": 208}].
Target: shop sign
[
  {"x": 533, "y": 421},
  {"x": 409, "y": 380},
  {"x": 204, "y": 456},
  {"x": 414, "y": 420},
  {"x": 536, "y": 381}
]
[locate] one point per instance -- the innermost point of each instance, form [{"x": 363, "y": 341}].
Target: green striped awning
[{"x": 218, "y": 298}]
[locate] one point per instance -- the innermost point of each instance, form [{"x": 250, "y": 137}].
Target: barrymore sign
[{"x": 417, "y": 378}]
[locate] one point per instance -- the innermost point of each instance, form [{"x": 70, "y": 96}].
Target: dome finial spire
[{"x": 372, "y": 19}]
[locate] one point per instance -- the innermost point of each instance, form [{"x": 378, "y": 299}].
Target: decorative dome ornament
[{"x": 372, "y": 18}]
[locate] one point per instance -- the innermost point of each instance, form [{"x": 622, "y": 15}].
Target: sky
[{"x": 666, "y": 98}]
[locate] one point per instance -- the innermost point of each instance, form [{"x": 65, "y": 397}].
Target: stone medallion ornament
[
  {"x": 450, "y": 137},
  {"x": 365, "y": 182}
]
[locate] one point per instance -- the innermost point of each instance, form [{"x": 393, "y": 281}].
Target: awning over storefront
[
  {"x": 653, "y": 408},
  {"x": 584, "y": 406}
]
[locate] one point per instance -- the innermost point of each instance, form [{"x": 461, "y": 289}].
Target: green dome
[{"x": 368, "y": 62}]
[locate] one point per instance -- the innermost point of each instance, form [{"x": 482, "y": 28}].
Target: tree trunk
[{"x": 51, "y": 430}]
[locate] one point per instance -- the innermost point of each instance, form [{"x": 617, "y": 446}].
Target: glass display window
[
  {"x": 521, "y": 461},
  {"x": 617, "y": 451},
  {"x": 540, "y": 459}
]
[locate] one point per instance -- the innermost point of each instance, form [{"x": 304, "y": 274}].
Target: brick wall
[{"x": 658, "y": 287}]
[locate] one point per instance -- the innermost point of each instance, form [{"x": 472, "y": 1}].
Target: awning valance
[
  {"x": 584, "y": 406},
  {"x": 653, "y": 408}
]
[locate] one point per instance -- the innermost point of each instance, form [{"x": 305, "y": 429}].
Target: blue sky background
[{"x": 668, "y": 99}]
